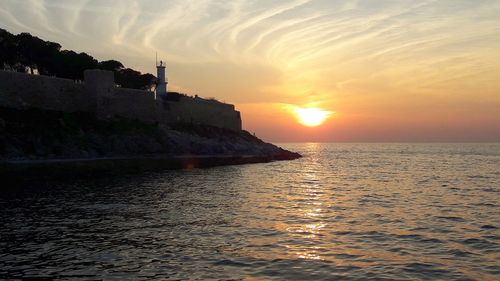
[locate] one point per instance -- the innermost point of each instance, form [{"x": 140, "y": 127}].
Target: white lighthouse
[{"x": 161, "y": 86}]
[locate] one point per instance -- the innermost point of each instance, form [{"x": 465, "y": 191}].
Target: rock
[{"x": 97, "y": 138}]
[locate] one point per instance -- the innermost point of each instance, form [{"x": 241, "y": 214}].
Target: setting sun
[{"x": 311, "y": 117}]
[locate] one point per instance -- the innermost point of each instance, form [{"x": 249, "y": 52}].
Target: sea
[{"x": 344, "y": 211}]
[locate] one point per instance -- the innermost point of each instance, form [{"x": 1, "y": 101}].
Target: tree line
[{"x": 26, "y": 53}]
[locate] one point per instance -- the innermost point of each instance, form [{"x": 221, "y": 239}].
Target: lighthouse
[{"x": 161, "y": 86}]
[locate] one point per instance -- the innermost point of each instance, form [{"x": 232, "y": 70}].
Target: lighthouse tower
[{"x": 161, "y": 86}]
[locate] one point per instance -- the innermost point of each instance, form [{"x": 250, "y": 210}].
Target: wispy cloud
[{"x": 318, "y": 49}]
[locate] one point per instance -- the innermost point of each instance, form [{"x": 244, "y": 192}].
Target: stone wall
[
  {"x": 100, "y": 95},
  {"x": 19, "y": 90},
  {"x": 100, "y": 87},
  {"x": 135, "y": 104},
  {"x": 201, "y": 111}
]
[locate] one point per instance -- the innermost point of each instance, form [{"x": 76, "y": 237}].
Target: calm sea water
[{"x": 344, "y": 211}]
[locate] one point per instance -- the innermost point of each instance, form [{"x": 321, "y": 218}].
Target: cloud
[{"x": 319, "y": 46}]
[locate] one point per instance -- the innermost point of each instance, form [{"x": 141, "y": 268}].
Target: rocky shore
[{"x": 53, "y": 142}]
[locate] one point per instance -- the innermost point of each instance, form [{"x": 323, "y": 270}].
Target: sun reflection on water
[
  {"x": 310, "y": 212},
  {"x": 355, "y": 211}
]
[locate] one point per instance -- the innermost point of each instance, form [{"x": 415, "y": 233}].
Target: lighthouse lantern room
[{"x": 161, "y": 86}]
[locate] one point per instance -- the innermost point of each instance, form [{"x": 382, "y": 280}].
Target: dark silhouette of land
[
  {"x": 42, "y": 144},
  {"x": 53, "y": 142}
]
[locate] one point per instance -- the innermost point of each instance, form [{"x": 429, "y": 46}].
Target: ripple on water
[{"x": 345, "y": 211}]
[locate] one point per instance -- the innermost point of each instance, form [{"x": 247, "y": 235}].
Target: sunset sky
[{"x": 380, "y": 70}]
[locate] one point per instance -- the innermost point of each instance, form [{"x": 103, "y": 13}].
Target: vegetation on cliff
[{"x": 24, "y": 52}]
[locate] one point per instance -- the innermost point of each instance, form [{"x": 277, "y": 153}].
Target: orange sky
[{"x": 387, "y": 70}]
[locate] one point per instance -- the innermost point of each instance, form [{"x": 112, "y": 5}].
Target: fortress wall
[
  {"x": 99, "y": 95},
  {"x": 201, "y": 111},
  {"x": 20, "y": 90},
  {"x": 100, "y": 85},
  {"x": 134, "y": 104}
]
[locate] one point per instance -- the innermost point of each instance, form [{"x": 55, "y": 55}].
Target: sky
[{"x": 383, "y": 71}]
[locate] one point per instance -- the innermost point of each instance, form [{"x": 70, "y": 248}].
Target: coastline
[{"x": 42, "y": 144}]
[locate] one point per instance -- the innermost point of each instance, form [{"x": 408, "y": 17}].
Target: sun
[{"x": 311, "y": 117}]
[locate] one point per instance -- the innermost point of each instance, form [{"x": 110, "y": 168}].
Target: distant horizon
[
  {"x": 378, "y": 72},
  {"x": 389, "y": 142}
]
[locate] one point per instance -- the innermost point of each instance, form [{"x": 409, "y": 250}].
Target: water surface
[{"x": 344, "y": 211}]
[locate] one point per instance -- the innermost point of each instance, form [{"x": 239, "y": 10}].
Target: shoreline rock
[{"x": 43, "y": 143}]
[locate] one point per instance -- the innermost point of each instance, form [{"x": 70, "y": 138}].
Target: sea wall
[{"x": 98, "y": 94}]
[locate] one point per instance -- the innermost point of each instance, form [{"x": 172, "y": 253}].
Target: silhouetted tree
[
  {"x": 24, "y": 51},
  {"x": 111, "y": 65},
  {"x": 148, "y": 81},
  {"x": 70, "y": 64},
  {"x": 8, "y": 54},
  {"x": 45, "y": 57},
  {"x": 27, "y": 48},
  {"x": 129, "y": 78}
]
